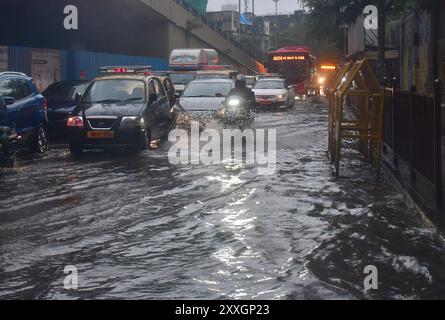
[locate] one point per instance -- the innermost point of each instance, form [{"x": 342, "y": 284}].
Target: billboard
[
  {"x": 45, "y": 67},
  {"x": 4, "y": 59}
]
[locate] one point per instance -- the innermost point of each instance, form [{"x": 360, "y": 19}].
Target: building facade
[
  {"x": 254, "y": 38},
  {"x": 227, "y": 21}
]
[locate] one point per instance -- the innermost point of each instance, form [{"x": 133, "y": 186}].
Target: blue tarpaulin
[{"x": 245, "y": 21}]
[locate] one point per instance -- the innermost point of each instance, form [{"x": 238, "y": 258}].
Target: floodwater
[{"x": 139, "y": 227}]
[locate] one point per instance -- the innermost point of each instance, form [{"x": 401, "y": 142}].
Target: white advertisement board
[{"x": 45, "y": 67}]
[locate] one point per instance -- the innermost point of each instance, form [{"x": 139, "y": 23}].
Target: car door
[
  {"x": 28, "y": 108},
  {"x": 170, "y": 89},
  {"x": 153, "y": 113},
  {"x": 163, "y": 105}
]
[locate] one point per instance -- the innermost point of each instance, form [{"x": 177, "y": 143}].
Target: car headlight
[
  {"x": 132, "y": 123},
  {"x": 234, "y": 102},
  {"x": 280, "y": 96}
]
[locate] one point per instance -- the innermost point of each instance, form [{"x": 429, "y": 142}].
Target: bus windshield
[{"x": 291, "y": 70}]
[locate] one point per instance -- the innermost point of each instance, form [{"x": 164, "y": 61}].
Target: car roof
[
  {"x": 126, "y": 76},
  {"x": 181, "y": 72},
  {"x": 215, "y": 71},
  {"x": 272, "y": 79},
  {"x": 212, "y": 80},
  {"x": 70, "y": 82},
  {"x": 14, "y": 74}
]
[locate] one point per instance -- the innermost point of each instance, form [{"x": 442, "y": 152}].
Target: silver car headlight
[{"x": 280, "y": 97}]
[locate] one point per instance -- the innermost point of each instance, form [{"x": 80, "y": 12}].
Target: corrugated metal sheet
[
  {"x": 81, "y": 64},
  {"x": 86, "y": 64},
  {"x": 19, "y": 59},
  {"x": 64, "y": 65}
]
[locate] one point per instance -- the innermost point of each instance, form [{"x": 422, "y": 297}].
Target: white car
[{"x": 274, "y": 93}]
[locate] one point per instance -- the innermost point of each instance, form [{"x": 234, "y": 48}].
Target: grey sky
[{"x": 261, "y": 6}]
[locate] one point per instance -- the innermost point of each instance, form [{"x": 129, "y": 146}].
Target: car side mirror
[
  {"x": 78, "y": 98},
  {"x": 152, "y": 98},
  {"x": 8, "y": 100}
]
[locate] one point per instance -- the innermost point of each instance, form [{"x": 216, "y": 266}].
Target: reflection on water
[{"x": 138, "y": 227}]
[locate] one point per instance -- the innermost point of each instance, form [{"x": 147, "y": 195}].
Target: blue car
[
  {"x": 26, "y": 110},
  {"x": 61, "y": 97}
]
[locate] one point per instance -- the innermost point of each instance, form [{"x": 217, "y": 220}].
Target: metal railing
[{"x": 413, "y": 135}]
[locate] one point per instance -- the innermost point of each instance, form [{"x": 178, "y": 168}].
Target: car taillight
[
  {"x": 45, "y": 104},
  {"x": 75, "y": 122}
]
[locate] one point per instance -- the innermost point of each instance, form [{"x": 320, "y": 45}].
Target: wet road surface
[{"x": 138, "y": 227}]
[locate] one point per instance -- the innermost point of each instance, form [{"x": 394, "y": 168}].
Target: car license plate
[
  {"x": 100, "y": 134},
  {"x": 266, "y": 102}
]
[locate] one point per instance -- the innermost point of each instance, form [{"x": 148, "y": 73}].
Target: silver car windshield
[{"x": 207, "y": 89}]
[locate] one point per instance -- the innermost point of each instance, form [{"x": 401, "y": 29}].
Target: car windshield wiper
[
  {"x": 107, "y": 101},
  {"x": 134, "y": 99},
  {"x": 200, "y": 96}
]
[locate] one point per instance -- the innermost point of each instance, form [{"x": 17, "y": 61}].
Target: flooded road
[{"x": 139, "y": 227}]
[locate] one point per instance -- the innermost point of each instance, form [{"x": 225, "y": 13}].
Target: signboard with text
[
  {"x": 45, "y": 67},
  {"x": 288, "y": 58}
]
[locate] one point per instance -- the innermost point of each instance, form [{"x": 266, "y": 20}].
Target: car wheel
[
  {"x": 76, "y": 150},
  {"x": 41, "y": 141}
]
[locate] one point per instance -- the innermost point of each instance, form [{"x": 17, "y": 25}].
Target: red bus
[{"x": 297, "y": 66}]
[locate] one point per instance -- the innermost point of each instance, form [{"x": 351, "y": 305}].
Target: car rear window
[
  {"x": 265, "y": 84},
  {"x": 64, "y": 92},
  {"x": 182, "y": 78}
]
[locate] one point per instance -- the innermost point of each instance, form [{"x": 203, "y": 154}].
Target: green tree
[
  {"x": 327, "y": 17},
  {"x": 300, "y": 33}
]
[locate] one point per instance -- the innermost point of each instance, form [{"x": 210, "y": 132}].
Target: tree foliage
[
  {"x": 300, "y": 33},
  {"x": 327, "y": 17}
]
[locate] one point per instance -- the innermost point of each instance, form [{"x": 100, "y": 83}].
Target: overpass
[{"x": 134, "y": 27}]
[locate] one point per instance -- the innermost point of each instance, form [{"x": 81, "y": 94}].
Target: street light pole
[
  {"x": 239, "y": 9},
  {"x": 276, "y": 23},
  {"x": 253, "y": 27}
]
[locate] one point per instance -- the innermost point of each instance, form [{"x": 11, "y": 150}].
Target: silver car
[
  {"x": 205, "y": 96},
  {"x": 274, "y": 93}
]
